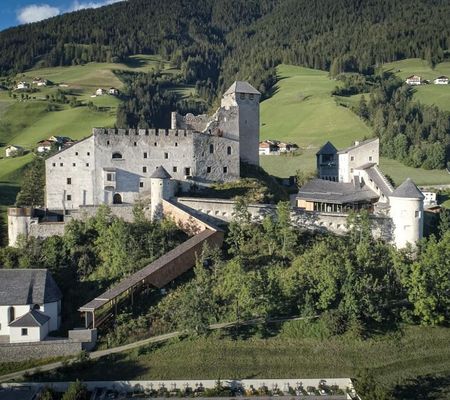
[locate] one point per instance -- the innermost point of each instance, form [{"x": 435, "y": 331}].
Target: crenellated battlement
[{"x": 142, "y": 132}]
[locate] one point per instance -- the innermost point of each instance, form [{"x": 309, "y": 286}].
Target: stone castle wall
[{"x": 218, "y": 210}]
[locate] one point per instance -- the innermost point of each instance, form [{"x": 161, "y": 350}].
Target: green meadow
[
  {"x": 438, "y": 95},
  {"x": 303, "y": 111}
]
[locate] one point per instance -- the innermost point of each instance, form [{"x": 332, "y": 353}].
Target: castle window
[
  {"x": 24, "y": 332},
  {"x": 187, "y": 171},
  {"x": 174, "y": 169},
  {"x": 69, "y": 197},
  {"x": 417, "y": 214},
  {"x": 117, "y": 155},
  {"x": 54, "y": 165},
  {"x": 185, "y": 134},
  {"x": 11, "y": 314},
  {"x": 156, "y": 144},
  {"x": 145, "y": 155},
  {"x": 107, "y": 142},
  {"x": 74, "y": 165},
  {"x": 88, "y": 153},
  {"x": 370, "y": 158},
  {"x": 144, "y": 169},
  {"x": 69, "y": 181},
  {"x": 135, "y": 143},
  {"x": 146, "y": 132},
  {"x": 229, "y": 150},
  {"x": 76, "y": 153},
  {"x": 176, "y": 144},
  {"x": 208, "y": 170},
  {"x": 141, "y": 184},
  {"x": 87, "y": 164},
  {"x": 225, "y": 170},
  {"x": 109, "y": 177},
  {"x": 126, "y": 133},
  {"x": 211, "y": 148},
  {"x": 166, "y": 155},
  {"x": 61, "y": 164},
  {"x": 352, "y": 158}
]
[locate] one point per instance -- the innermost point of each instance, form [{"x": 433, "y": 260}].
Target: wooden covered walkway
[{"x": 158, "y": 273}]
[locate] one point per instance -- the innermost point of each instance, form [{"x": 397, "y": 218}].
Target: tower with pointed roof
[
  {"x": 161, "y": 188},
  {"x": 245, "y": 98},
  {"x": 406, "y": 211}
]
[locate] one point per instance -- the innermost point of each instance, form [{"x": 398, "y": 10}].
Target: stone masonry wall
[
  {"x": 216, "y": 210},
  {"x": 46, "y": 349}
]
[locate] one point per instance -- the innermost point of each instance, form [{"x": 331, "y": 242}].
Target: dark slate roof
[
  {"x": 335, "y": 192},
  {"x": 31, "y": 318},
  {"x": 409, "y": 190},
  {"x": 354, "y": 146},
  {"x": 27, "y": 286},
  {"x": 241, "y": 87},
  {"x": 327, "y": 148},
  {"x": 160, "y": 173}
]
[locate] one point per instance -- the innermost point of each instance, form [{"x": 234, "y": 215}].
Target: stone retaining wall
[{"x": 10, "y": 352}]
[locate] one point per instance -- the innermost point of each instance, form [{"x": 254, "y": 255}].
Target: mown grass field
[
  {"x": 438, "y": 95},
  {"x": 392, "y": 358},
  {"x": 303, "y": 111}
]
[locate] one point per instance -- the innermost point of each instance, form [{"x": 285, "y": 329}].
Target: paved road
[{"x": 130, "y": 346}]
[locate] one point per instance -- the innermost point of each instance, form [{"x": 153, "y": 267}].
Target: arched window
[
  {"x": 11, "y": 314},
  {"x": 117, "y": 155},
  {"x": 117, "y": 199},
  {"x": 229, "y": 150}
]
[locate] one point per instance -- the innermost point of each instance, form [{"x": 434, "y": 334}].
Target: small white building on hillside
[
  {"x": 100, "y": 92},
  {"x": 441, "y": 80},
  {"x": 30, "y": 305},
  {"x": 414, "y": 80},
  {"x": 23, "y": 85},
  {"x": 12, "y": 151}
]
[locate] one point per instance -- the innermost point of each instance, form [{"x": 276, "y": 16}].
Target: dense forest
[{"x": 219, "y": 41}]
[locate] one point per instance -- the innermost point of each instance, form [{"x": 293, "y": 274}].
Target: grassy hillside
[
  {"x": 438, "y": 95},
  {"x": 302, "y": 110}
]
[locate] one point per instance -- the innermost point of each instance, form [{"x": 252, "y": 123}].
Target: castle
[
  {"x": 121, "y": 166},
  {"x": 114, "y": 166}
]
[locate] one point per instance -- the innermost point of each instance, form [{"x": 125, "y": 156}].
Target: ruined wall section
[{"x": 190, "y": 121}]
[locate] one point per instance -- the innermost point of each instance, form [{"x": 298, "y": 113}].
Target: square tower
[{"x": 246, "y": 130}]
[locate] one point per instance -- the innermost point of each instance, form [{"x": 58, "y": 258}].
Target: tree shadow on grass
[{"x": 429, "y": 387}]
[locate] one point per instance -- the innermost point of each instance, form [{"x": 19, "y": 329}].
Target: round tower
[
  {"x": 160, "y": 188},
  {"x": 19, "y": 219},
  {"x": 406, "y": 212}
]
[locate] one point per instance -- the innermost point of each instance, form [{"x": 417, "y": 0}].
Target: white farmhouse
[
  {"x": 12, "y": 151},
  {"x": 414, "y": 80},
  {"x": 113, "y": 91},
  {"x": 100, "y": 92},
  {"x": 441, "y": 80},
  {"x": 30, "y": 305},
  {"x": 23, "y": 85}
]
